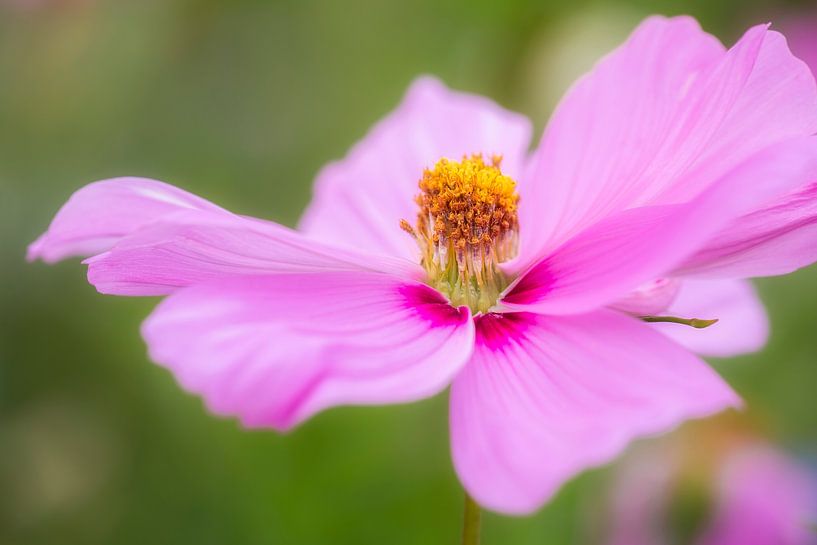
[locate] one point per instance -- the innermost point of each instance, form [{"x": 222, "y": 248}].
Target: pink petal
[
  {"x": 653, "y": 297},
  {"x": 544, "y": 398},
  {"x": 742, "y": 325},
  {"x": 776, "y": 239},
  {"x": 196, "y": 246},
  {"x": 657, "y": 121},
  {"x": 275, "y": 350},
  {"x": 360, "y": 200},
  {"x": 616, "y": 255},
  {"x": 101, "y": 213},
  {"x": 799, "y": 30}
]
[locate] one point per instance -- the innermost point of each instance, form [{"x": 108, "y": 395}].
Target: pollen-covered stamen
[{"x": 467, "y": 224}]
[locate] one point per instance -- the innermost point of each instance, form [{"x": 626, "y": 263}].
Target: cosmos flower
[
  {"x": 442, "y": 252},
  {"x": 746, "y": 492}
]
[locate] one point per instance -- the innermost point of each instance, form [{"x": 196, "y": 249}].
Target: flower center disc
[{"x": 467, "y": 224}]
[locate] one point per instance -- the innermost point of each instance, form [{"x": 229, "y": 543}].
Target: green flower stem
[
  {"x": 471, "y": 522},
  {"x": 697, "y": 323}
]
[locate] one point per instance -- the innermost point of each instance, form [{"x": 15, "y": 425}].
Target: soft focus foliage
[{"x": 242, "y": 102}]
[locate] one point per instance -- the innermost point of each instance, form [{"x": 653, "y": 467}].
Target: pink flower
[
  {"x": 673, "y": 159},
  {"x": 759, "y": 496}
]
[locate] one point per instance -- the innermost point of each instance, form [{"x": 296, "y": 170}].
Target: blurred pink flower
[
  {"x": 760, "y": 496},
  {"x": 764, "y": 498},
  {"x": 673, "y": 159}
]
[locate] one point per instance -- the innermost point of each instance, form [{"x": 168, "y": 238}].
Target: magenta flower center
[{"x": 466, "y": 225}]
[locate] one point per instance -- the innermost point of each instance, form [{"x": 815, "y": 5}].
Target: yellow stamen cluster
[{"x": 467, "y": 224}]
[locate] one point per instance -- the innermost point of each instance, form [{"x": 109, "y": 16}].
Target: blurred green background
[{"x": 242, "y": 102}]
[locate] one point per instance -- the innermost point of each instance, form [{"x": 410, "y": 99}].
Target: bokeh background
[{"x": 242, "y": 102}]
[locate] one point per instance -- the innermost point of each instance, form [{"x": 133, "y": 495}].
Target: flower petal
[
  {"x": 360, "y": 200},
  {"x": 616, "y": 255},
  {"x": 197, "y": 246},
  {"x": 653, "y": 297},
  {"x": 544, "y": 398},
  {"x": 777, "y": 239},
  {"x": 799, "y": 30},
  {"x": 658, "y": 120},
  {"x": 742, "y": 325},
  {"x": 275, "y": 350},
  {"x": 101, "y": 213}
]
